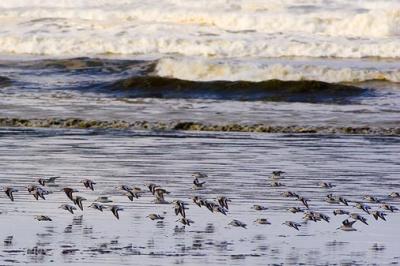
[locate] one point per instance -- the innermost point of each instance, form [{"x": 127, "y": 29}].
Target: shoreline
[{"x": 78, "y": 123}]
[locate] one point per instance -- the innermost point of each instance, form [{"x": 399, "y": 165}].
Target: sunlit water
[{"x": 238, "y": 166}]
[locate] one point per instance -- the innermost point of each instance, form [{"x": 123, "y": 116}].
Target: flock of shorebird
[{"x": 219, "y": 205}]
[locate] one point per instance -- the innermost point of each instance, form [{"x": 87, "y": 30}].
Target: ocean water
[{"x": 128, "y": 92}]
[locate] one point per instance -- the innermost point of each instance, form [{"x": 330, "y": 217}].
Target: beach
[{"x": 139, "y": 92}]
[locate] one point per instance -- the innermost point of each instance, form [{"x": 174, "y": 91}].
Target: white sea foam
[
  {"x": 259, "y": 70},
  {"x": 210, "y": 29}
]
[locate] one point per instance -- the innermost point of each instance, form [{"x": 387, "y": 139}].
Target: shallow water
[{"x": 238, "y": 166}]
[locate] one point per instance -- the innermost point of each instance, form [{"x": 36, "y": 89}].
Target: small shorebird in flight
[
  {"x": 130, "y": 194},
  {"x": 347, "y": 226},
  {"x": 363, "y": 207},
  {"x": 394, "y": 195},
  {"x": 371, "y": 199},
  {"x": 290, "y": 194},
  {"x": 344, "y": 201},
  {"x": 68, "y": 191},
  {"x": 259, "y": 207},
  {"x": 151, "y": 187},
  {"x": 103, "y": 199},
  {"x": 88, "y": 184},
  {"x": 238, "y": 223},
  {"x": 325, "y": 185},
  {"x": 198, "y": 201},
  {"x": 45, "y": 181},
  {"x": 223, "y": 202},
  {"x": 277, "y": 174},
  {"x": 185, "y": 221},
  {"x": 154, "y": 216},
  {"x": 332, "y": 199},
  {"x": 179, "y": 207},
  {"x": 340, "y": 212},
  {"x": 295, "y": 209},
  {"x": 159, "y": 194},
  {"x": 262, "y": 221},
  {"x": 322, "y": 216},
  {"x": 68, "y": 207},
  {"x": 9, "y": 192},
  {"x": 276, "y": 184},
  {"x": 124, "y": 188},
  {"x": 197, "y": 184},
  {"x": 42, "y": 218},
  {"x": 217, "y": 208},
  {"x": 78, "y": 201},
  {"x": 304, "y": 201},
  {"x": 292, "y": 224},
  {"x": 389, "y": 207},
  {"x": 115, "y": 209},
  {"x": 97, "y": 206},
  {"x": 37, "y": 192},
  {"x": 379, "y": 214},
  {"x": 311, "y": 216},
  {"x": 358, "y": 217}
]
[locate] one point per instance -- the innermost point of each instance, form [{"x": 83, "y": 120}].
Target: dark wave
[{"x": 270, "y": 90}]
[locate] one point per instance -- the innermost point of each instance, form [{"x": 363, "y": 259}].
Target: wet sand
[{"x": 238, "y": 165}]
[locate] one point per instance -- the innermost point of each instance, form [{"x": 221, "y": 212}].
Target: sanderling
[
  {"x": 290, "y": 194},
  {"x": 276, "y": 184},
  {"x": 179, "y": 207},
  {"x": 78, "y": 201},
  {"x": 43, "y": 218},
  {"x": 68, "y": 191},
  {"x": 37, "y": 192},
  {"x": 371, "y": 199},
  {"x": 103, "y": 199},
  {"x": 198, "y": 201},
  {"x": 197, "y": 184},
  {"x": 379, "y": 214},
  {"x": 262, "y": 221},
  {"x": 115, "y": 209},
  {"x": 68, "y": 207},
  {"x": 394, "y": 195},
  {"x": 259, "y": 207},
  {"x": 389, "y": 207},
  {"x": 340, "y": 212},
  {"x": 277, "y": 174},
  {"x": 358, "y": 217},
  {"x": 44, "y": 181},
  {"x": 363, "y": 207},
  {"x": 9, "y": 192},
  {"x": 347, "y": 226},
  {"x": 88, "y": 183},
  {"x": 97, "y": 206},
  {"x": 295, "y": 209},
  {"x": 292, "y": 224},
  {"x": 130, "y": 194},
  {"x": 237, "y": 223},
  {"x": 304, "y": 201},
  {"x": 223, "y": 202},
  {"x": 325, "y": 185},
  {"x": 154, "y": 216},
  {"x": 185, "y": 221}
]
